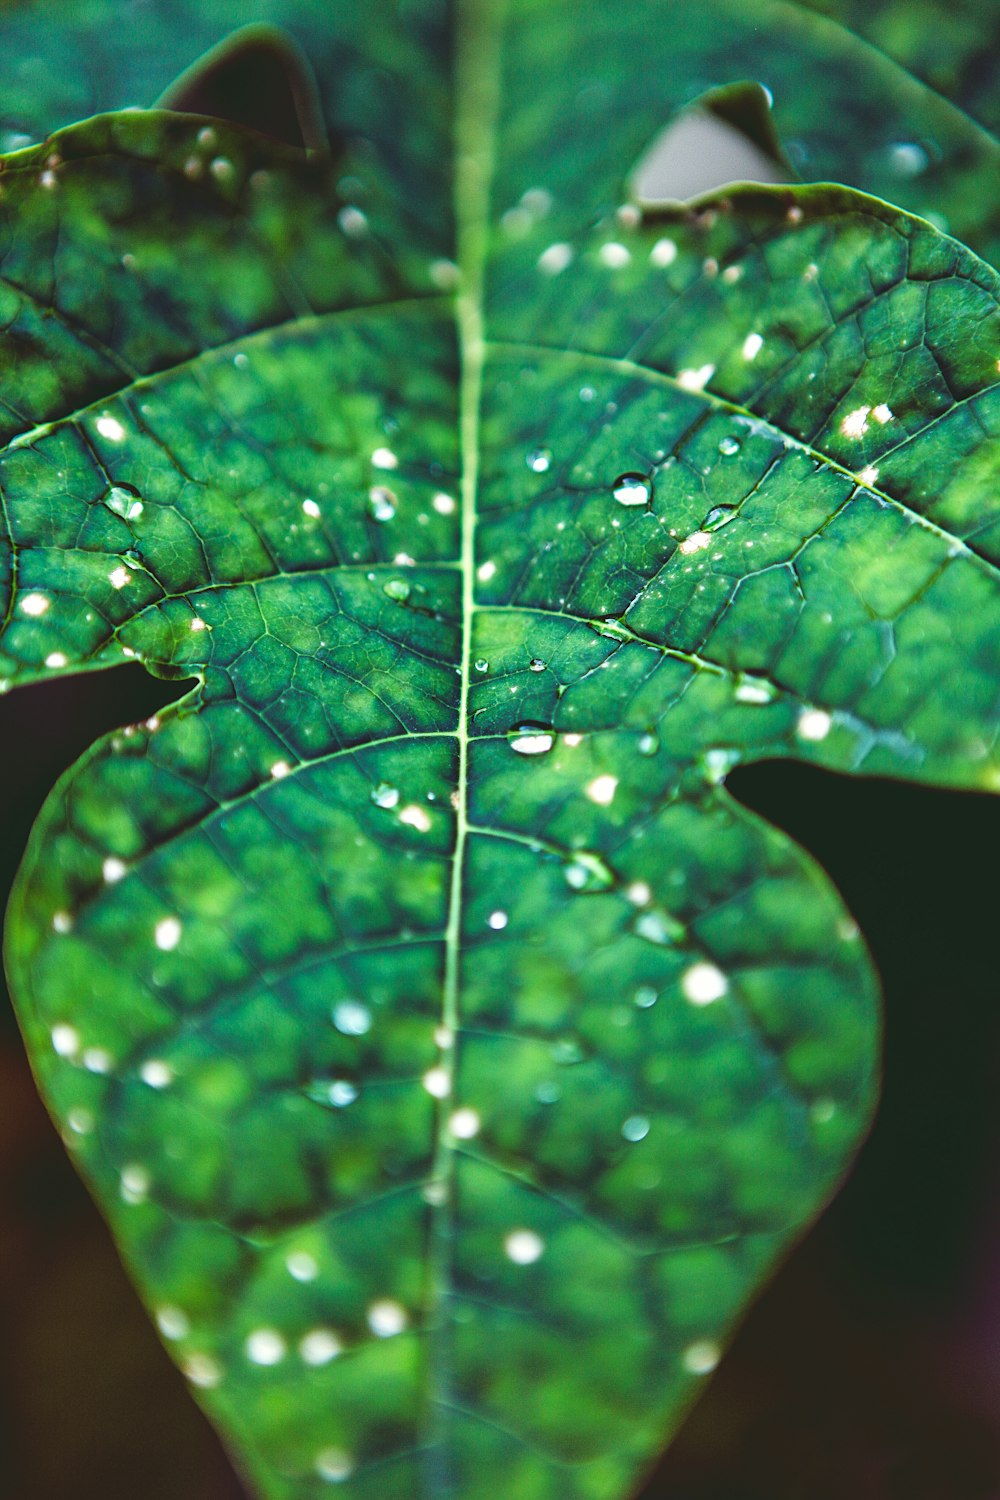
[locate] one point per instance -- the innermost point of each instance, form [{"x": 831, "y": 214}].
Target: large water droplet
[
  {"x": 645, "y": 997},
  {"x": 539, "y": 460},
  {"x": 397, "y": 588},
  {"x": 381, "y": 502},
  {"x": 385, "y": 795},
  {"x": 636, "y": 1128},
  {"x": 632, "y": 489},
  {"x": 481, "y": 664},
  {"x": 531, "y": 739},
  {"x": 587, "y": 873},
  {"x": 719, "y": 516}
]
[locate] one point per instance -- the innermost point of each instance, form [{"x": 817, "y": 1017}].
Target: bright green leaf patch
[{"x": 450, "y": 1052}]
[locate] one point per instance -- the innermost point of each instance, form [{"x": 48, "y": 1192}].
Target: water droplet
[
  {"x": 719, "y": 516},
  {"x": 341, "y": 1093},
  {"x": 645, "y": 996},
  {"x": 658, "y": 927},
  {"x": 381, "y": 502},
  {"x": 531, "y": 739},
  {"x": 636, "y": 1128},
  {"x": 351, "y": 1018},
  {"x": 481, "y": 664},
  {"x": 386, "y": 1319},
  {"x": 536, "y": 665},
  {"x": 908, "y": 159},
  {"x": 524, "y": 1247},
  {"x": 728, "y": 446},
  {"x": 124, "y": 501},
  {"x": 385, "y": 795},
  {"x": 567, "y": 1051},
  {"x": 755, "y": 690},
  {"x": 587, "y": 873},
  {"x": 397, "y": 588},
  {"x": 648, "y": 744},
  {"x": 548, "y": 1093},
  {"x": 632, "y": 489},
  {"x": 612, "y": 630},
  {"x": 334, "y": 1465},
  {"x": 539, "y": 460},
  {"x": 704, "y": 983}
]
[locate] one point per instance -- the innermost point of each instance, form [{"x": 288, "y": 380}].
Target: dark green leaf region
[{"x": 450, "y": 1053}]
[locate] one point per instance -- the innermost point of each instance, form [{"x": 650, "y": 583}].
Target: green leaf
[
  {"x": 846, "y": 113},
  {"x": 451, "y": 1054}
]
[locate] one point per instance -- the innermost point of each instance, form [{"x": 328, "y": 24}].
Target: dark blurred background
[{"x": 868, "y": 1370}]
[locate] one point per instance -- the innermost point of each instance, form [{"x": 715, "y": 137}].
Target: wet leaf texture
[{"x": 450, "y": 1053}]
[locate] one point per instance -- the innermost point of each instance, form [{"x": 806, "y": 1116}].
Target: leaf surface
[
  {"x": 450, "y": 1053},
  {"x": 847, "y": 113}
]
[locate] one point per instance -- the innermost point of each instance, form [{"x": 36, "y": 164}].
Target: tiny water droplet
[
  {"x": 481, "y": 664},
  {"x": 658, "y": 927},
  {"x": 728, "y": 446},
  {"x": 755, "y": 690},
  {"x": 648, "y": 744},
  {"x": 719, "y": 516},
  {"x": 548, "y": 1093},
  {"x": 397, "y": 588},
  {"x": 531, "y": 739},
  {"x": 645, "y": 996},
  {"x": 636, "y": 1128},
  {"x": 632, "y": 489},
  {"x": 124, "y": 501},
  {"x": 587, "y": 873},
  {"x": 341, "y": 1093},
  {"x": 536, "y": 665},
  {"x": 613, "y": 630},
  {"x": 381, "y": 502},
  {"x": 352, "y": 1018},
  {"x": 539, "y": 460},
  {"x": 385, "y": 795},
  {"x": 567, "y": 1052}
]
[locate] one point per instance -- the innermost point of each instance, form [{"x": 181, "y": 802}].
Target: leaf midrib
[{"x": 477, "y": 86}]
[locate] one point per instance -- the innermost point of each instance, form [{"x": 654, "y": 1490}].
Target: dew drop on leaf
[
  {"x": 658, "y": 927},
  {"x": 397, "y": 588},
  {"x": 531, "y": 739},
  {"x": 728, "y": 446},
  {"x": 536, "y": 665},
  {"x": 539, "y": 460},
  {"x": 632, "y": 489},
  {"x": 587, "y": 873},
  {"x": 648, "y": 744},
  {"x": 481, "y": 664},
  {"x": 719, "y": 516},
  {"x": 382, "y": 503},
  {"x": 385, "y": 795},
  {"x": 124, "y": 501},
  {"x": 352, "y": 1018}
]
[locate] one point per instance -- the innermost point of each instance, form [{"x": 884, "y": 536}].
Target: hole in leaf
[
  {"x": 726, "y": 136},
  {"x": 259, "y": 78}
]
